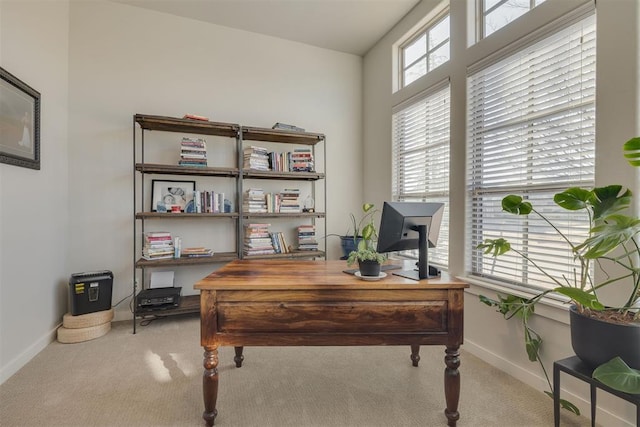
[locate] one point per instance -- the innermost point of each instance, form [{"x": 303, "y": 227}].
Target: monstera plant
[{"x": 613, "y": 240}]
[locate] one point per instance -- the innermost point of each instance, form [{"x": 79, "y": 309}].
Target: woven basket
[
  {"x": 87, "y": 320},
  {"x": 69, "y": 336}
]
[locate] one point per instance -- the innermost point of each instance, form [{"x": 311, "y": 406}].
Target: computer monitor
[{"x": 410, "y": 225}]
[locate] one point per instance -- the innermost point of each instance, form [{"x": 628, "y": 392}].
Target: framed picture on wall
[
  {"x": 171, "y": 196},
  {"x": 19, "y": 122}
]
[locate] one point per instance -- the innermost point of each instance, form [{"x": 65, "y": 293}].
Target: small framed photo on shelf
[
  {"x": 19, "y": 122},
  {"x": 171, "y": 196}
]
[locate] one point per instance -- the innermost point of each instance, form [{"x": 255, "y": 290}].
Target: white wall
[
  {"x": 126, "y": 60},
  {"x": 98, "y": 63},
  {"x": 618, "y": 118},
  {"x": 34, "y": 204}
]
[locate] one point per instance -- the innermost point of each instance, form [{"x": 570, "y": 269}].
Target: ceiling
[{"x": 350, "y": 26}]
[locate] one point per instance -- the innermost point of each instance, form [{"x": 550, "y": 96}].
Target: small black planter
[
  {"x": 369, "y": 268},
  {"x": 596, "y": 342}
]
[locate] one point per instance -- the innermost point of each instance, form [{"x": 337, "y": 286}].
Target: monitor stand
[{"x": 423, "y": 271}]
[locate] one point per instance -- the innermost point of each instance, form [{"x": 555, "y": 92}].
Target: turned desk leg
[
  {"x": 452, "y": 384},
  {"x": 210, "y": 384},
  {"x": 415, "y": 354},
  {"x": 239, "y": 357}
]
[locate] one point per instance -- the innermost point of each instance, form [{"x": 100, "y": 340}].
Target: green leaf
[
  {"x": 609, "y": 200},
  {"x": 619, "y": 376},
  {"x": 573, "y": 199},
  {"x": 515, "y": 205},
  {"x": 368, "y": 231},
  {"x": 495, "y": 247},
  {"x": 367, "y": 207},
  {"x": 584, "y": 298},
  {"x": 608, "y": 236},
  {"x": 632, "y": 151},
  {"x": 532, "y": 344},
  {"x": 565, "y": 404}
]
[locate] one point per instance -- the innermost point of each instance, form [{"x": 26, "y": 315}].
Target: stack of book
[
  {"x": 193, "y": 152},
  {"x": 196, "y": 252},
  {"x": 285, "y": 126},
  {"x": 301, "y": 160},
  {"x": 279, "y": 243},
  {"x": 257, "y": 240},
  {"x": 289, "y": 201},
  {"x": 254, "y": 201},
  {"x": 256, "y": 158},
  {"x": 307, "y": 238},
  {"x": 157, "y": 245}
]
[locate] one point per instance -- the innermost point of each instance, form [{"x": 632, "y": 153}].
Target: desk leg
[
  {"x": 239, "y": 357},
  {"x": 415, "y": 354},
  {"x": 452, "y": 384},
  {"x": 210, "y": 384}
]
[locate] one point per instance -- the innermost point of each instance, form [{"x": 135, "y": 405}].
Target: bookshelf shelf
[
  {"x": 185, "y": 170},
  {"x": 182, "y": 215},
  {"x": 217, "y": 257}
]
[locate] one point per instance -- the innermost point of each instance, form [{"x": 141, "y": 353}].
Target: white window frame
[
  {"x": 482, "y": 15},
  {"x": 424, "y": 31}
]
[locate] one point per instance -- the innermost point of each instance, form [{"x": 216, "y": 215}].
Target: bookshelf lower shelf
[{"x": 188, "y": 304}]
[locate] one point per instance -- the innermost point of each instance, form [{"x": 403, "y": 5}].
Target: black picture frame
[
  {"x": 180, "y": 192},
  {"x": 19, "y": 122}
]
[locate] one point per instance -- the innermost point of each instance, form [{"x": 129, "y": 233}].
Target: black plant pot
[
  {"x": 596, "y": 342},
  {"x": 369, "y": 268}
]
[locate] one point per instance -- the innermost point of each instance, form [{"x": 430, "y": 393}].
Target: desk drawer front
[{"x": 355, "y": 317}]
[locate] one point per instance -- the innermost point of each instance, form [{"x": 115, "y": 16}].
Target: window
[
  {"x": 495, "y": 14},
  {"x": 531, "y": 127},
  {"x": 421, "y": 157},
  {"x": 425, "y": 51}
]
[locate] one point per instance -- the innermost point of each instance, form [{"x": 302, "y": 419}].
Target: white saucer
[{"x": 370, "y": 278}]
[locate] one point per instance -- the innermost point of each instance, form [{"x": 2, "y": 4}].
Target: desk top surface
[{"x": 303, "y": 274}]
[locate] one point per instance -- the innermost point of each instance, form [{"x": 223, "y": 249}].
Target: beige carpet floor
[{"x": 154, "y": 378}]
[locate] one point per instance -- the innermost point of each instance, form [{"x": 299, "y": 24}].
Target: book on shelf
[
  {"x": 285, "y": 126},
  {"x": 256, "y": 158},
  {"x": 157, "y": 245},
  {"x": 209, "y": 201},
  {"x": 196, "y": 252},
  {"x": 307, "y": 238},
  {"x": 193, "y": 152},
  {"x": 258, "y": 240},
  {"x": 254, "y": 201},
  {"x": 195, "y": 117}
]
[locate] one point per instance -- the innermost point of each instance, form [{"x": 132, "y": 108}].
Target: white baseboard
[
  {"x": 604, "y": 416},
  {"x": 23, "y": 358}
]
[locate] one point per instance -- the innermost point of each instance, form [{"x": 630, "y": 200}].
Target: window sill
[{"x": 554, "y": 308}]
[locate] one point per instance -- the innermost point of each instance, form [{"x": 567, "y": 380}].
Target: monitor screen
[{"x": 411, "y": 225}]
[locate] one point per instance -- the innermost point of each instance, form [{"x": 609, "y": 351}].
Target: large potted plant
[
  {"x": 365, "y": 253},
  {"x": 606, "y": 338}
]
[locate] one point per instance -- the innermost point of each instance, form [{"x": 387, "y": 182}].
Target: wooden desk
[{"x": 291, "y": 303}]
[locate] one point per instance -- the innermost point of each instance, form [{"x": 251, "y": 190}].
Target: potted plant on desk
[
  {"x": 605, "y": 338},
  {"x": 365, "y": 252}
]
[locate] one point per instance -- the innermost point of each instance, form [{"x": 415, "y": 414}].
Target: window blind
[
  {"x": 421, "y": 157},
  {"x": 531, "y": 132}
]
